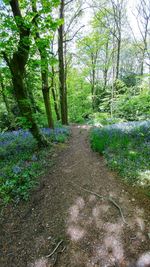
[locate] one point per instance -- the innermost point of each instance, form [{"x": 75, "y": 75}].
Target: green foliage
[
  {"x": 130, "y": 79},
  {"x": 134, "y": 107},
  {"x": 101, "y": 139},
  {"x": 4, "y": 121},
  {"x": 120, "y": 87},
  {"x": 79, "y": 97},
  {"x": 101, "y": 119},
  {"x": 23, "y": 123}
]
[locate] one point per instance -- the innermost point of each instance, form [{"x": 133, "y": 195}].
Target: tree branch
[
  {"x": 15, "y": 8},
  {"x": 69, "y": 40},
  {"x": 67, "y": 3}
]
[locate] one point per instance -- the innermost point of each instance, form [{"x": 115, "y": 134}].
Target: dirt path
[{"x": 91, "y": 228}]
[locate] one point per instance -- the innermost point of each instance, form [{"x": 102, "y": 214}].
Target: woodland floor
[{"x": 92, "y": 228}]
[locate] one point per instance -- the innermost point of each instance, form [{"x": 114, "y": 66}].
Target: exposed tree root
[
  {"x": 119, "y": 208},
  {"x": 106, "y": 198},
  {"x": 91, "y": 192},
  {"x": 55, "y": 249}
]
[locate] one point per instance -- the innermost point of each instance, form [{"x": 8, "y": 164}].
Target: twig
[
  {"x": 118, "y": 207},
  {"x": 93, "y": 193},
  {"x": 62, "y": 250},
  {"x": 69, "y": 40},
  {"x": 60, "y": 242}
]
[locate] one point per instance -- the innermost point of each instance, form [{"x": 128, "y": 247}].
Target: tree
[
  {"x": 42, "y": 45},
  {"x": 143, "y": 20},
  {"x": 53, "y": 89},
  {"x": 118, "y": 9},
  {"x": 17, "y": 64},
  {"x": 6, "y": 102},
  {"x": 100, "y": 24},
  {"x": 89, "y": 48},
  {"x": 62, "y": 85}
]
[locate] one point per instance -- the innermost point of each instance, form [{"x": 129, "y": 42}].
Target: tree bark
[
  {"x": 54, "y": 95},
  {"x": 93, "y": 88},
  {"x": 118, "y": 56},
  {"x": 46, "y": 96},
  {"x": 35, "y": 108},
  {"x": 6, "y": 102},
  {"x": 144, "y": 50},
  {"x": 62, "y": 87},
  {"x": 143, "y": 19},
  {"x": 106, "y": 64},
  {"x": 93, "y": 91},
  {"x": 118, "y": 15},
  {"x": 44, "y": 70},
  {"x": 25, "y": 107}
]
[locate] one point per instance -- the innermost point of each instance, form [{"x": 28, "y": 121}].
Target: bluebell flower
[
  {"x": 16, "y": 169},
  {"x": 34, "y": 158}
]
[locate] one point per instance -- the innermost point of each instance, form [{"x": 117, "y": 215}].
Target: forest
[{"x": 75, "y": 115}]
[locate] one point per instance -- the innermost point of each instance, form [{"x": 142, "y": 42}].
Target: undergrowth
[
  {"x": 22, "y": 162},
  {"x": 126, "y": 146}
]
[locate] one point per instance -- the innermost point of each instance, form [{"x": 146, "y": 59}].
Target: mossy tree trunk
[
  {"x": 46, "y": 96},
  {"x": 17, "y": 67},
  {"x": 42, "y": 48},
  {"x": 54, "y": 94},
  {"x": 62, "y": 87},
  {"x": 11, "y": 118}
]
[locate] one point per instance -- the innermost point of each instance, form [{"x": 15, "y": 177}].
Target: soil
[{"x": 89, "y": 230}]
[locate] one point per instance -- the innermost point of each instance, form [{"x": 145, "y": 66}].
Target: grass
[
  {"x": 126, "y": 146},
  {"x": 21, "y": 162}
]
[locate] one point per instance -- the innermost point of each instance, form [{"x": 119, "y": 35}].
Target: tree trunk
[
  {"x": 46, "y": 96},
  {"x": 142, "y": 60},
  {"x": 105, "y": 77},
  {"x": 6, "y": 102},
  {"x": 113, "y": 80},
  {"x": 44, "y": 70},
  {"x": 54, "y": 95},
  {"x": 106, "y": 64},
  {"x": 62, "y": 87},
  {"x": 117, "y": 15},
  {"x": 93, "y": 88},
  {"x": 17, "y": 67},
  {"x": 118, "y": 57},
  {"x": 93, "y": 77},
  {"x": 25, "y": 107},
  {"x": 66, "y": 73},
  {"x": 35, "y": 108}
]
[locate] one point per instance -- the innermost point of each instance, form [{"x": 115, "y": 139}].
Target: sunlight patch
[
  {"x": 40, "y": 263},
  {"x": 144, "y": 178},
  {"x": 86, "y": 127},
  {"x": 112, "y": 244},
  {"x": 140, "y": 223},
  {"x": 76, "y": 233},
  {"x": 144, "y": 260},
  {"x": 92, "y": 198},
  {"x": 80, "y": 202},
  {"x": 74, "y": 212},
  {"x": 115, "y": 228}
]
